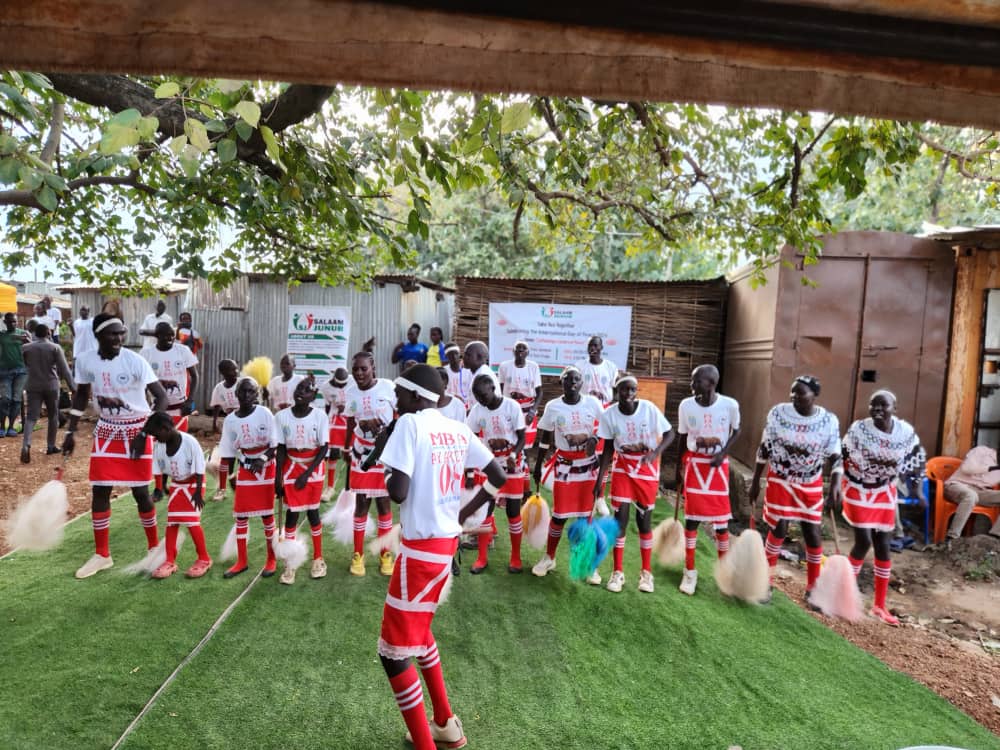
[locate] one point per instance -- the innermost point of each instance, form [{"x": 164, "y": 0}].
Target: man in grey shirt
[{"x": 46, "y": 363}]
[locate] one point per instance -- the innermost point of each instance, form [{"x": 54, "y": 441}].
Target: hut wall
[{"x": 676, "y": 325}]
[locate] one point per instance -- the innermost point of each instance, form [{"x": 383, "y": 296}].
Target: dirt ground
[{"x": 949, "y": 603}]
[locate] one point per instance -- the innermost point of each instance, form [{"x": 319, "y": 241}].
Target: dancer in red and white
[
  {"x": 799, "y": 438},
  {"x": 711, "y": 423},
  {"x": 599, "y": 374},
  {"x": 476, "y": 357},
  {"x": 521, "y": 380},
  {"x": 179, "y": 468},
  {"x": 459, "y": 376},
  {"x": 499, "y": 422},
  {"x": 250, "y": 436},
  {"x": 371, "y": 404},
  {"x": 223, "y": 399},
  {"x": 334, "y": 393},
  {"x": 303, "y": 433},
  {"x": 451, "y": 406},
  {"x": 177, "y": 368},
  {"x": 636, "y": 433},
  {"x": 280, "y": 388},
  {"x": 426, "y": 457},
  {"x": 121, "y": 453},
  {"x": 571, "y": 422},
  {"x": 877, "y": 451}
]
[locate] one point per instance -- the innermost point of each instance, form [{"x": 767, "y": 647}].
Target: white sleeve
[
  {"x": 147, "y": 374},
  {"x": 545, "y": 422},
  {"x": 322, "y": 425},
  {"x": 275, "y": 434},
  {"x": 398, "y": 453},
  {"x": 159, "y": 461},
  {"x": 80, "y": 373},
  {"x": 662, "y": 423},
  {"x": 198, "y": 459},
  {"x": 478, "y": 455},
  {"x": 227, "y": 445},
  {"x": 537, "y": 381},
  {"x": 216, "y": 397},
  {"x": 189, "y": 359},
  {"x": 519, "y": 423},
  {"x": 734, "y": 414},
  {"x": 681, "y": 422},
  {"x": 605, "y": 430}
]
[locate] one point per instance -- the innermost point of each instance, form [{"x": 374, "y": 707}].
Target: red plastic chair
[{"x": 940, "y": 469}]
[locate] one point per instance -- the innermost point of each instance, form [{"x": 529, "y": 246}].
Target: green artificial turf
[{"x": 530, "y": 663}]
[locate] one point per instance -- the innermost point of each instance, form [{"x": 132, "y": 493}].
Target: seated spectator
[
  {"x": 411, "y": 349},
  {"x": 973, "y": 483}
]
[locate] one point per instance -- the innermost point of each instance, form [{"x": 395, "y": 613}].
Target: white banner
[
  {"x": 319, "y": 337},
  {"x": 557, "y": 335}
]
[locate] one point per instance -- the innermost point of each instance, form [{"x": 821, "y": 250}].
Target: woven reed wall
[{"x": 676, "y": 325}]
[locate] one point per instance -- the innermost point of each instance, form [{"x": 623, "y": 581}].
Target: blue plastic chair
[{"x": 925, "y": 483}]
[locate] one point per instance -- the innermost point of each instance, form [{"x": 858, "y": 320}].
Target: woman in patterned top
[
  {"x": 799, "y": 438},
  {"x": 877, "y": 450}
]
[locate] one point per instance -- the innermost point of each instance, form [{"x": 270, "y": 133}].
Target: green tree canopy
[{"x": 341, "y": 183}]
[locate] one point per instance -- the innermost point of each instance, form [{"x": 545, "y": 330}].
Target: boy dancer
[{"x": 177, "y": 368}]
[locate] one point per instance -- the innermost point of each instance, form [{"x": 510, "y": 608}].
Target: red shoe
[
  {"x": 478, "y": 567},
  {"x": 514, "y": 566},
  {"x": 885, "y": 616},
  {"x": 200, "y": 568},
  {"x": 270, "y": 568},
  {"x": 166, "y": 570},
  {"x": 236, "y": 570}
]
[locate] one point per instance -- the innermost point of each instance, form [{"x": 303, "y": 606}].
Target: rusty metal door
[{"x": 904, "y": 339}]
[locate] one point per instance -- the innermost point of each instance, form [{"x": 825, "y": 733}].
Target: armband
[
  {"x": 490, "y": 489},
  {"x": 76, "y": 412},
  {"x": 543, "y": 446},
  {"x": 837, "y": 470}
]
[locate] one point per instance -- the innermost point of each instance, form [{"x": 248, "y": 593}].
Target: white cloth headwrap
[{"x": 418, "y": 389}]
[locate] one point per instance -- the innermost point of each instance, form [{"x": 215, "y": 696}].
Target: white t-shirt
[
  {"x": 254, "y": 432},
  {"x": 171, "y": 368},
  {"x": 376, "y": 403},
  {"x": 281, "y": 392},
  {"x": 118, "y": 385},
  {"x": 56, "y": 314},
  {"x": 460, "y": 384},
  {"x": 47, "y": 321},
  {"x": 306, "y": 433},
  {"x": 643, "y": 428},
  {"x": 570, "y": 419},
  {"x": 149, "y": 323},
  {"x": 484, "y": 369},
  {"x": 225, "y": 396},
  {"x": 454, "y": 410},
  {"x": 598, "y": 379},
  {"x": 523, "y": 380},
  {"x": 187, "y": 461},
  {"x": 434, "y": 452},
  {"x": 501, "y": 423},
  {"x": 708, "y": 428},
  {"x": 334, "y": 397},
  {"x": 84, "y": 339}
]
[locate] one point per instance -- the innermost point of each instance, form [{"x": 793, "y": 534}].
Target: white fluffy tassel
[
  {"x": 668, "y": 542},
  {"x": 154, "y": 558},
  {"x": 836, "y": 591},
  {"x": 214, "y": 462},
  {"x": 37, "y": 523},
  {"x": 536, "y": 518},
  {"x": 602, "y": 507},
  {"x": 390, "y": 541},
  {"x": 292, "y": 552},
  {"x": 228, "y": 551},
  {"x": 743, "y": 572},
  {"x": 473, "y": 522},
  {"x": 340, "y": 519}
]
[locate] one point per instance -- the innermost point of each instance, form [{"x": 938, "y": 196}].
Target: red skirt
[
  {"x": 254, "y": 494},
  {"x": 706, "y": 489},
  {"x": 421, "y": 573},
  {"x": 517, "y": 480},
  {"x": 792, "y": 501},
  {"x": 180, "y": 422},
  {"x": 573, "y": 484},
  {"x": 370, "y": 483},
  {"x": 530, "y": 430},
  {"x": 110, "y": 465},
  {"x": 181, "y": 511},
  {"x": 632, "y": 481},
  {"x": 870, "y": 508},
  {"x": 338, "y": 431},
  {"x": 296, "y": 465}
]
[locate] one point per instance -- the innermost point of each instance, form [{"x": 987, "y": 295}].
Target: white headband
[
  {"x": 883, "y": 392},
  {"x": 626, "y": 379},
  {"x": 568, "y": 369},
  {"x": 453, "y": 348},
  {"x": 521, "y": 342},
  {"x": 473, "y": 343},
  {"x": 105, "y": 324},
  {"x": 419, "y": 389}
]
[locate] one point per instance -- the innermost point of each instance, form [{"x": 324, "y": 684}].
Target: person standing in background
[
  {"x": 411, "y": 349},
  {"x": 435, "y": 353},
  {"x": 46, "y": 363},
  {"x": 83, "y": 333},
  {"x": 42, "y": 317},
  {"x": 56, "y": 314},
  {"x": 13, "y": 373},
  {"x": 187, "y": 335},
  {"x": 148, "y": 328}
]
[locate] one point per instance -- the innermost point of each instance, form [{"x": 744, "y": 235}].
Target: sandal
[{"x": 198, "y": 569}]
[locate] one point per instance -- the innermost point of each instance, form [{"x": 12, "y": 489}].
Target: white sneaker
[
  {"x": 646, "y": 582},
  {"x": 616, "y": 582},
  {"x": 327, "y": 495},
  {"x": 543, "y": 566},
  {"x": 95, "y": 564},
  {"x": 451, "y": 735},
  {"x": 689, "y": 583},
  {"x": 318, "y": 568},
  {"x": 594, "y": 579},
  {"x": 287, "y": 576}
]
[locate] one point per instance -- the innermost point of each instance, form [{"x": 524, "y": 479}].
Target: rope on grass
[{"x": 184, "y": 662}]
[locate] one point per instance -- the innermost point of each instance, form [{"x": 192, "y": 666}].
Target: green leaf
[
  {"x": 56, "y": 182},
  {"x": 197, "y": 134},
  {"x": 166, "y": 90},
  {"x": 472, "y": 144},
  {"x": 147, "y": 127},
  {"x": 249, "y": 112},
  {"x": 8, "y": 144},
  {"x": 228, "y": 85},
  {"x": 8, "y": 171},
  {"x": 190, "y": 160},
  {"x": 177, "y": 144},
  {"x": 271, "y": 144},
  {"x": 118, "y": 137},
  {"x": 515, "y": 117},
  {"x": 226, "y": 149},
  {"x": 30, "y": 178},
  {"x": 127, "y": 118},
  {"x": 47, "y": 198},
  {"x": 216, "y": 126},
  {"x": 243, "y": 130},
  {"x": 408, "y": 128}
]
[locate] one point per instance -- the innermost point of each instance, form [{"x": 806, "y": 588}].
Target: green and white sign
[{"x": 319, "y": 338}]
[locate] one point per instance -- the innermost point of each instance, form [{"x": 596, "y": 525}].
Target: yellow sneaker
[
  {"x": 385, "y": 563},
  {"x": 357, "y": 565}
]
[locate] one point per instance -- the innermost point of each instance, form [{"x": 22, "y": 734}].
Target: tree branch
[
  {"x": 961, "y": 159},
  {"x": 27, "y": 198},
  {"x": 51, "y": 147}
]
